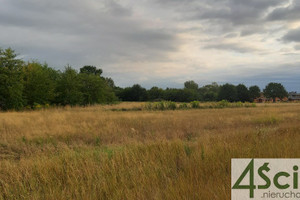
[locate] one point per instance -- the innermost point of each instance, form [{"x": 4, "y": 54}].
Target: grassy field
[{"x": 97, "y": 153}]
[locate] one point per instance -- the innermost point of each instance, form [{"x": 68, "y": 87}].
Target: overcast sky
[{"x": 161, "y": 42}]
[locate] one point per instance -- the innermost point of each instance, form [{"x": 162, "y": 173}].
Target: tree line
[
  {"x": 210, "y": 92},
  {"x": 32, "y": 84}
]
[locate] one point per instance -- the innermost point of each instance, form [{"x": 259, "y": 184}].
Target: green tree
[
  {"x": 69, "y": 88},
  {"x": 95, "y": 89},
  {"x": 227, "y": 92},
  {"x": 138, "y": 93},
  {"x": 210, "y": 96},
  {"x": 254, "y": 92},
  {"x": 155, "y": 93},
  {"x": 92, "y": 89},
  {"x": 188, "y": 95},
  {"x": 273, "y": 90},
  {"x": 39, "y": 83},
  {"x": 88, "y": 69},
  {"x": 172, "y": 94},
  {"x": 181, "y": 95},
  {"x": 11, "y": 83},
  {"x": 191, "y": 85},
  {"x": 242, "y": 93},
  {"x": 110, "y": 83},
  {"x": 134, "y": 93},
  {"x": 209, "y": 92}
]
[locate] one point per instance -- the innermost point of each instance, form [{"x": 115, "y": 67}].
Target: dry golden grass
[{"x": 96, "y": 153}]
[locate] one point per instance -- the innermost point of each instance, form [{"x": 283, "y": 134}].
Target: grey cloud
[
  {"x": 244, "y": 16},
  {"x": 236, "y": 47},
  {"x": 252, "y": 29},
  {"x": 77, "y": 32},
  {"x": 289, "y": 12},
  {"x": 292, "y": 36},
  {"x": 238, "y": 12},
  {"x": 63, "y": 16},
  {"x": 231, "y": 35},
  {"x": 117, "y": 10},
  {"x": 130, "y": 39}
]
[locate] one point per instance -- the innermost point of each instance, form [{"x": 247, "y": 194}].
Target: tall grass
[{"x": 96, "y": 153}]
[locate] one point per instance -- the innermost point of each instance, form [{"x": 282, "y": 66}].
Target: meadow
[{"x": 116, "y": 152}]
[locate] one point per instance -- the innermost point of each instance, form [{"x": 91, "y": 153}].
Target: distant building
[
  {"x": 284, "y": 99},
  {"x": 294, "y": 96},
  {"x": 263, "y": 99}
]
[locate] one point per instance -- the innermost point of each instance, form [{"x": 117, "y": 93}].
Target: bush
[
  {"x": 238, "y": 104},
  {"x": 149, "y": 106},
  {"x": 159, "y": 105},
  {"x": 162, "y": 105},
  {"x": 183, "y": 106},
  {"x": 37, "y": 106},
  {"x": 248, "y": 104},
  {"x": 223, "y": 104},
  {"x": 195, "y": 104},
  {"x": 170, "y": 105}
]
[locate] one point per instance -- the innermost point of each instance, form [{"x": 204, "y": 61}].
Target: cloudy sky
[{"x": 161, "y": 42}]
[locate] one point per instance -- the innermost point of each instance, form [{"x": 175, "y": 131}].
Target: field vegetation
[{"x": 102, "y": 152}]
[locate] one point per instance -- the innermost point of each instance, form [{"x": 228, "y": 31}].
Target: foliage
[
  {"x": 195, "y": 104},
  {"x": 209, "y": 92},
  {"x": 69, "y": 88},
  {"x": 242, "y": 93},
  {"x": 162, "y": 105},
  {"x": 223, "y": 104},
  {"x": 181, "y": 95},
  {"x": 91, "y": 70},
  {"x": 169, "y": 105},
  {"x": 191, "y": 85},
  {"x": 39, "y": 84},
  {"x": 155, "y": 93},
  {"x": 228, "y": 92},
  {"x": 110, "y": 83},
  {"x": 183, "y": 106},
  {"x": 11, "y": 81},
  {"x": 134, "y": 93},
  {"x": 92, "y": 88},
  {"x": 254, "y": 92},
  {"x": 34, "y": 85},
  {"x": 85, "y": 88},
  {"x": 274, "y": 90}
]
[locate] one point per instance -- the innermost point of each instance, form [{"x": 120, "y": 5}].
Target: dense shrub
[
  {"x": 195, "y": 104},
  {"x": 169, "y": 105}
]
